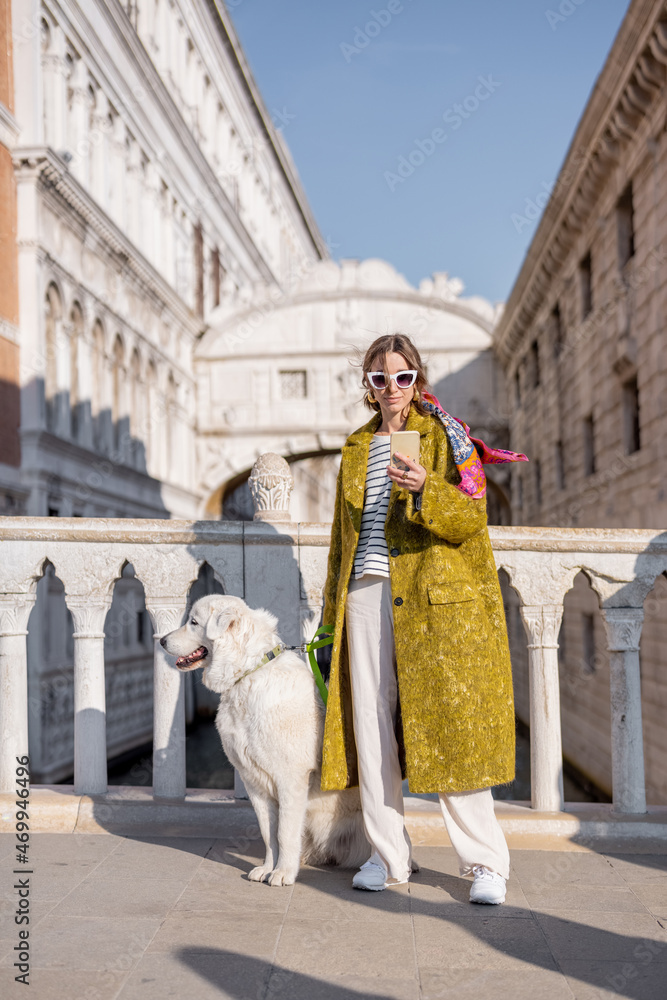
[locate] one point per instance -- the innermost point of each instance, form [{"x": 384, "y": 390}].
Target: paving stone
[
  {"x": 287, "y": 985},
  {"x": 57, "y": 984},
  {"x": 91, "y": 943},
  {"x": 105, "y": 897},
  {"x": 233, "y": 897},
  {"x": 639, "y": 867},
  {"x": 470, "y": 943},
  {"x": 142, "y": 860},
  {"x": 653, "y": 895},
  {"x": 585, "y": 897},
  {"x": 54, "y": 881},
  {"x": 201, "y": 974},
  {"x": 602, "y": 936},
  {"x": 508, "y": 984},
  {"x": 555, "y": 869},
  {"x": 596, "y": 980},
  {"x": 328, "y": 948},
  {"x": 197, "y": 930},
  {"x": 72, "y": 847},
  {"x": 310, "y": 902}
]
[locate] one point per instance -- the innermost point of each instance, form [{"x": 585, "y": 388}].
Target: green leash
[{"x": 310, "y": 647}]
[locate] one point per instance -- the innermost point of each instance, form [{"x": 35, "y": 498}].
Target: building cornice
[
  {"x": 41, "y": 163},
  {"x": 624, "y": 92}
]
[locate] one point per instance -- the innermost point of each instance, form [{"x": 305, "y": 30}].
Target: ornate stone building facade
[{"x": 582, "y": 341}]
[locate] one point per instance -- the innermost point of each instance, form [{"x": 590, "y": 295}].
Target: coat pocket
[{"x": 451, "y": 593}]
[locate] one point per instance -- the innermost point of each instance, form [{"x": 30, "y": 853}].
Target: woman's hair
[{"x": 375, "y": 360}]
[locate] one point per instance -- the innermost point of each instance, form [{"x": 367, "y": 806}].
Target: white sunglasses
[{"x": 402, "y": 379}]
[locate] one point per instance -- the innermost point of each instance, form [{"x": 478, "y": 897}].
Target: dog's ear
[{"x": 220, "y": 622}]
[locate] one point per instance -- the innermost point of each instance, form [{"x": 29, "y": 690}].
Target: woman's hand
[{"x": 411, "y": 479}]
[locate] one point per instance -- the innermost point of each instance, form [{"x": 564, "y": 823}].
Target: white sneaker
[
  {"x": 487, "y": 887},
  {"x": 370, "y": 876}
]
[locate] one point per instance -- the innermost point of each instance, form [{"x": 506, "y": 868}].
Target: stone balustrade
[{"x": 274, "y": 563}]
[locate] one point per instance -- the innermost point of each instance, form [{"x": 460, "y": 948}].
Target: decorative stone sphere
[{"x": 271, "y": 484}]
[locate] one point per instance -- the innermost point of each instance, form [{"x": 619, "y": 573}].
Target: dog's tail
[{"x": 334, "y": 829}]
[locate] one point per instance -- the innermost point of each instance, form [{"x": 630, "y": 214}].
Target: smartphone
[{"x": 407, "y": 442}]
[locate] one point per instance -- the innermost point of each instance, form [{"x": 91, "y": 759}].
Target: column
[
  {"x": 79, "y": 144},
  {"x": 99, "y": 150},
  {"x": 542, "y": 623},
  {"x": 90, "y": 715},
  {"x": 117, "y": 172},
  {"x": 168, "y": 706},
  {"x": 623, "y": 627},
  {"x": 54, "y": 73},
  {"x": 14, "y": 613}
]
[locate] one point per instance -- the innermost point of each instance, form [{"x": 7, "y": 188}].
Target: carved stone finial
[{"x": 271, "y": 484}]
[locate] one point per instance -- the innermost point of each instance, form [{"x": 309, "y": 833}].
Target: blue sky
[{"x": 356, "y": 104}]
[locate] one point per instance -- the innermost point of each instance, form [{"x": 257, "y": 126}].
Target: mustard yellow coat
[{"x": 452, "y": 653}]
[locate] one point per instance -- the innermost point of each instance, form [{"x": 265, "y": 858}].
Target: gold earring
[
  {"x": 370, "y": 397},
  {"x": 416, "y": 396}
]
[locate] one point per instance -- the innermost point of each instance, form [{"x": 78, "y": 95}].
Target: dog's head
[{"x": 221, "y": 634}]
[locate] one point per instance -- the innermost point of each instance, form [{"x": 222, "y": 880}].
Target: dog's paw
[
  {"x": 280, "y": 876},
  {"x": 259, "y": 874}
]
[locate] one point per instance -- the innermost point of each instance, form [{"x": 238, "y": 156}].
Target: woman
[{"x": 420, "y": 683}]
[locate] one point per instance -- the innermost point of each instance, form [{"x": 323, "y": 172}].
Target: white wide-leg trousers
[{"x": 469, "y": 816}]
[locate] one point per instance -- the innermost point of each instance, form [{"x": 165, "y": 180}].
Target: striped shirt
[{"x": 371, "y": 555}]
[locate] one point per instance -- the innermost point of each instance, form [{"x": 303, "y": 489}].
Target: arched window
[
  {"x": 171, "y": 429},
  {"x": 118, "y": 381},
  {"x": 152, "y": 423},
  {"x": 53, "y": 340},
  {"x": 136, "y": 409},
  {"x": 98, "y": 386},
  {"x": 75, "y": 401}
]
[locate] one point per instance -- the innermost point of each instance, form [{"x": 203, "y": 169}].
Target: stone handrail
[{"x": 275, "y": 563}]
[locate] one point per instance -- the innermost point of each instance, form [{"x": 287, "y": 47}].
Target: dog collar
[{"x": 271, "y": 655}]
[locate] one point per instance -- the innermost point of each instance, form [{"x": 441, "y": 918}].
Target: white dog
[{"x": 270, "y": 721}]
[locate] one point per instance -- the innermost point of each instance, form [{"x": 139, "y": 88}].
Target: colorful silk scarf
[{"x": 469, "y": 452}]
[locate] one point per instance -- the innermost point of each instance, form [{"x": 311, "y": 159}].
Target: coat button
[
  {"x": 431, "y": 521},
  {"x": 394, "y": 552},
  {"x": 398, "y": 600}
]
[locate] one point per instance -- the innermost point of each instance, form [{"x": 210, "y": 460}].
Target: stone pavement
[{"x": 145, "y": 918}]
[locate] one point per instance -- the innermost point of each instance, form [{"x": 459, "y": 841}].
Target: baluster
[
  {"x": 542, "y": 622},
  {"x": 14, "y": 613},
  {"x": 168, "y": 707},
  {"x": 90, "y": 714},
  {"x": 623, "y": 627}
]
